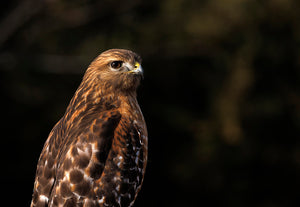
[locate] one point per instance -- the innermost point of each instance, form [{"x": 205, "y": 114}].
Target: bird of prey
[{"x": 96, "y": 154}]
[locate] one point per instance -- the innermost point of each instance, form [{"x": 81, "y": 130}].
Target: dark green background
[{"x": 221, "y": 94}]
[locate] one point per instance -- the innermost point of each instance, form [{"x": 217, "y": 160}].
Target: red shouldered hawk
[{"x": 96, "y": 154}]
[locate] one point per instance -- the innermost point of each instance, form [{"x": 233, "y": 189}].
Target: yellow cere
[{"x": 136, "y": 65}]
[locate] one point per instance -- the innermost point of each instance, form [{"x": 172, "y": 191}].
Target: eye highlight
[{"x": 116, "y": 64}]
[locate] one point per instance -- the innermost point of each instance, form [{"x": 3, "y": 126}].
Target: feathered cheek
[{"x": 129, "y": 81}]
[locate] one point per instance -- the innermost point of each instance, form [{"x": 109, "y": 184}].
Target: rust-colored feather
[{"x": 96, "y": 154}]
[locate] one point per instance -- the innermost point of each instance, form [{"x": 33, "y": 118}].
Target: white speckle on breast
[
  {"x": 119, "y": 200},
  {"x": 67, "y": 175},
  {"x": 84, "y": 152},
  {"x": 43, "y": 198},
  {"x": 118, "y": 188},
  {"x": 121, "y": 158},
  {"x": 116, "y": 178},
  {"x": 136, "y": 160},
  {"x": 51, "y": 181},
  {"x": 94, "y": 148},
  {"x": 102, "y": 200}
]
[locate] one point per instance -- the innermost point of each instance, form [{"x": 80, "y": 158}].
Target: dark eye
[{"x": 116, "y": 64}]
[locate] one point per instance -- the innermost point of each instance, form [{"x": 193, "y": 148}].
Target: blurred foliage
[{"x": 221, "y": 94}]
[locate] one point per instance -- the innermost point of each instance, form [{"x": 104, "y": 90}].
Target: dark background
[{"x": 221, "y": 94}]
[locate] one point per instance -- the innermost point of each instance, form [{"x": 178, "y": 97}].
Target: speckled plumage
[{"x": 96, "y": 154}]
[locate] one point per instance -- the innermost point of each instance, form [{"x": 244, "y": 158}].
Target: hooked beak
[{"x": 137, "y": 69}]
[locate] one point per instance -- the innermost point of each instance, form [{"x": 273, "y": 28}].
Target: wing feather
[
  {"x": 83, "y": 160},
  {"x": 46, "y": 167}
]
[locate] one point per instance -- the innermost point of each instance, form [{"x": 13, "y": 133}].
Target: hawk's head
[{"x": 116, "y": 69}]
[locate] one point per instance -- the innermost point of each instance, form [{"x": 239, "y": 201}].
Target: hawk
[{"x": 96, "y": 154}]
